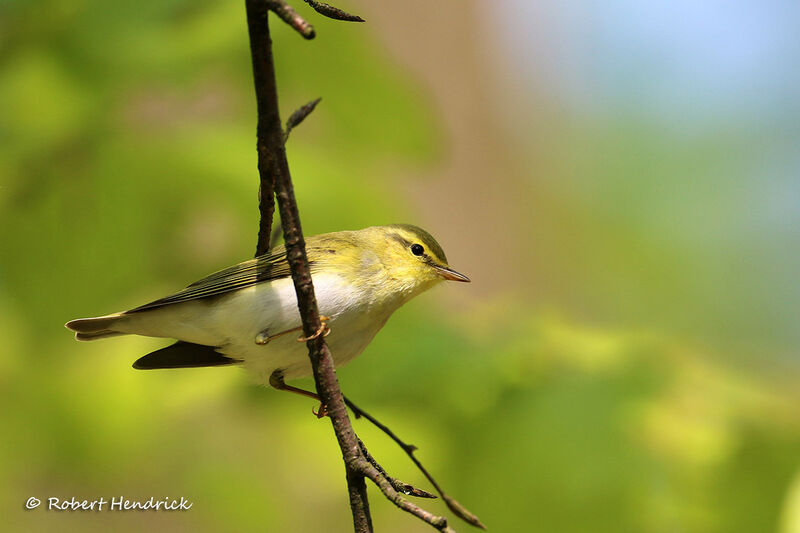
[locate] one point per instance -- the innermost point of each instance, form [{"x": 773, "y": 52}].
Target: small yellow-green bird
[{"x": 241, "y": 315}]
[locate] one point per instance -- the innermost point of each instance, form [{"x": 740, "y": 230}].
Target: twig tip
[
  {"x": 462, "y": 512},
  {"x": 299, "y": 116},
  {"x": 332, "y": 12}
]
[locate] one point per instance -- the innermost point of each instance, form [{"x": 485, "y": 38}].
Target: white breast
[{"x": 353, "y": 323}]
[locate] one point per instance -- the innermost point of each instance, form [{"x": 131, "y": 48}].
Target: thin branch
[
  {"x": 290, "y": 17},
  {"x": 359, "y": 504},
  {"x": 275, "y": 177},
  {"x": 453, "y": 504},
  {"x": 299, "y": 116},
  {"x": 370, "y": 471},
  {"x": 277, "y": 382},
  {"x": 293, "y": 19},
  {"x": 399, "y": 486},
  {"x": 273, "y": 169},
  {"x": 277, "y": 234},
  {"x": 332, "y": 12},
  {"x": 268, "y": 116}
]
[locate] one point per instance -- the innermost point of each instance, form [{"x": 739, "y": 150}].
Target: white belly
[{"x": 233, "y": 321}]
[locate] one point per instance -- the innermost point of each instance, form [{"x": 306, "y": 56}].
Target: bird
[{"x": 245, "y": 314}]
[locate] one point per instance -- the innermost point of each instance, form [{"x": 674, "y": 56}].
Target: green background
[{"x": 594, "y": 376}]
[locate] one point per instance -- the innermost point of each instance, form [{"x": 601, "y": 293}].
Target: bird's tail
[{"x": 89, "y": 329}]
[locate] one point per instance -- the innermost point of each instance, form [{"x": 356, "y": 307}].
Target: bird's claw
[
  {"x": 323, "y": 330},
  {"x": 263, "y": 337},
  {"x": 322, "y": 412}
]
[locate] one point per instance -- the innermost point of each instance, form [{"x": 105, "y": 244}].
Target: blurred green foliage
[{"x": 128, "y": 169}]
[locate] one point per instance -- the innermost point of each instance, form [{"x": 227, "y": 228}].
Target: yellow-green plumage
[{"x": 360, "y": 279}]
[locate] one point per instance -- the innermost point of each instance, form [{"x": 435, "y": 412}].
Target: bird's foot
[
  {"x": 263, "y": 337},
  {"x": 323, "y": 330},
  {"x": 322, "y": 412}
]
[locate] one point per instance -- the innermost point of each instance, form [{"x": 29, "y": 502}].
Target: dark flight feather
[
  {"x": 268, "y": 267},
  {"x": 183, "y": 355}
]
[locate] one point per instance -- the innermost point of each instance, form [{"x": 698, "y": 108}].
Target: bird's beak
[{"x": 450, "y": 274}]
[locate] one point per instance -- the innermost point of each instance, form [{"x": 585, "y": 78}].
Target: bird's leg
[
  {"x": 264, "y": 337},
  {"x": 323, "y": 330},
  {"x": 276, "y": 382}
]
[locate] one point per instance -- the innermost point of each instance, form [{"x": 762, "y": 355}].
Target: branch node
[
  {"x": 452, "y": 504},
  {"x": 299, "y": 116},
  {"x": 398, "y": 485}
]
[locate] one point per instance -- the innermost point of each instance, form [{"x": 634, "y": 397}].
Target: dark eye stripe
[{"x": 400, "y": 239}]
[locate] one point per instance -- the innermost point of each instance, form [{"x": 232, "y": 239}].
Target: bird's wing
[
  {"x": 268, "y": 267},
  {"x": 183, "y": 355}
]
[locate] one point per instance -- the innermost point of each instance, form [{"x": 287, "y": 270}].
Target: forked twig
[
  {"x": 291, "y": 17},
  {"x": 399, "y": 486},
  {"x": 374, "y": 474},
  {"x": 287, "y": 14},
  {"x": 452, "y": 504}
]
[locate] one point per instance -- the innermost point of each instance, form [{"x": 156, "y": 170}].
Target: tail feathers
[
  {"x": 93, "y": 336},
  {"x": 89, "y": 329}
]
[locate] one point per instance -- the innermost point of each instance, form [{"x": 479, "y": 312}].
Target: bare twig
[
  {"x": 277, "y": 235},
  {"x": 453, "y": 504},
  {"x": 333, "y": 12},
  {"x": 293, "y": 19},
  {"x": 375, "y": 475},
  {"x": 290, "y": 17},
  {"x": 399, "y": 486},
  {"x": 268, "y": 116},
  {"x": 299, "y": 116}
]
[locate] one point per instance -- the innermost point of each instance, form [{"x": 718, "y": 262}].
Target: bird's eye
[{"x": 417, "y": 249}]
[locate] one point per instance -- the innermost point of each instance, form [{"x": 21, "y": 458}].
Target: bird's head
[{"x": 413, "y": 259}]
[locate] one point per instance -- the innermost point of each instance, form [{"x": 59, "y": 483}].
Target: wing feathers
[
  {"x": 268, "y": 267},
  {"x": 183, "y": 355}
]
